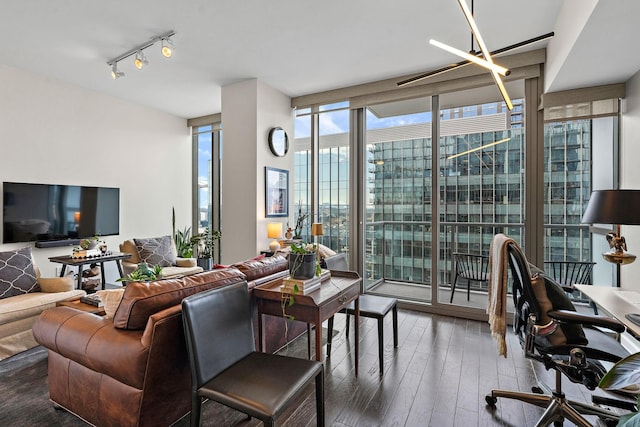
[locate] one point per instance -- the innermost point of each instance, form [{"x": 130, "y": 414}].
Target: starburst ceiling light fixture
[
  {"x": 483, "y": 58},
  {"x": 140, "y": 59}
]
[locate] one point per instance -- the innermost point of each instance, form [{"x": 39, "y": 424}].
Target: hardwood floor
[{"x": 438, "y": 376}]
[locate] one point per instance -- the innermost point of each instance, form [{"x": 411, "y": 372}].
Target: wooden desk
[
  {"x": 314, "y": 308},
  {"x": 615, "y": 301},
  {"x": 66, "y": 260}
]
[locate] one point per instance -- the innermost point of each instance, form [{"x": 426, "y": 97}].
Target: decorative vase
[
  {"x": 288, "y": 234},
  {"x": 302, "y": 266},
  {"x": 88, "y": 244},
  {"x": 205, "y": 263}
]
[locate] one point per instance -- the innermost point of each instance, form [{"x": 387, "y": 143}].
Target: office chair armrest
[{"x": 568, "y": 316}]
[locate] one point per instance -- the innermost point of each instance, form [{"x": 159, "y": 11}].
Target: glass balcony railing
[{"x": 400, "y": 252}]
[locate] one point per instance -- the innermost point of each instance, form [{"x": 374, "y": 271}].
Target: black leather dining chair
[
  {"x": 226, "y": 368},
  {"x": 372, "y": 306}
]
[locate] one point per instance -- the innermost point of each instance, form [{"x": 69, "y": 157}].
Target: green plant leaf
[
  {"x": 629, "y": 420},
  {"x": 624, "y": 373}
]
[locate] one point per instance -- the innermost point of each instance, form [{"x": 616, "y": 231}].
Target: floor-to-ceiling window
[
  {"x": 328, "y": 202},
  {"x": 207, "y": 140},
  {"x": 418, "y": 203}
]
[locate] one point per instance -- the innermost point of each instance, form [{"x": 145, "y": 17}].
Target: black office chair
[
  {"x": 472, "y": 268},
  {"x": 225, "y": 366},
  {"x": 373, "y": 306},
  {"x": 537, "y": 301},
  {"x": 569, "y": 273}
]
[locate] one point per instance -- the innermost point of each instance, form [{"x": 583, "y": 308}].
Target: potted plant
[
  {"x": 182, "y": 239},
  {"x": 203, "y": 245},
  {"x": 297, "y": 231},
  {"x": 184, "y": 245},
  {"x": 625, "y": 374},
  {"x": 143, "y": 274},
  {"x": 90, "y": 242},
  {"x": 303, "y": 262}
]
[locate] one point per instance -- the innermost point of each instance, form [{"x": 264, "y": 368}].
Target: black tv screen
[{"x": 50, "y": 213}]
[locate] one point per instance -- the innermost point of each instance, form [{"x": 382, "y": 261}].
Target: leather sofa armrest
[{"x": 93, "y": 342}]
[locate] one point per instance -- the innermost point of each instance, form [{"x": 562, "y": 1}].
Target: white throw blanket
[{"x": 498, "y": 281}]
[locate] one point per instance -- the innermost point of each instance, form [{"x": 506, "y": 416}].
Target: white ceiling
[{"x": 296, "y": 46}]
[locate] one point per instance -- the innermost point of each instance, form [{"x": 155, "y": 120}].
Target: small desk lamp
[
  {"x": 316, "y": 230},
  {"x": 614, "y": 207},
  {"x": 274, "y": 231}
]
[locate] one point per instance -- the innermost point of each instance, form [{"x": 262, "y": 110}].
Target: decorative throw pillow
[
  {"x": 156, "y": 251},
  {"x": 17, "y": 275},
  {"x": 550, "y": 297},
  {"x": 111, "y": 300},
  {"x": 56, "y": 284}
]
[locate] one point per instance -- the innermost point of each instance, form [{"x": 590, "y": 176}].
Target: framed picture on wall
[{"x": 276, "y": 192}]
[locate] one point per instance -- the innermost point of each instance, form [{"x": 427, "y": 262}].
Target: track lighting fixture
[
  {"x": 167, "y": 47},
  {"x": 115, "y": 74},
  {"x": 140, "y": 60}
]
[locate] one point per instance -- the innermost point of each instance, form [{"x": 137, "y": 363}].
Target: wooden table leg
[
  {"x": 318, "y": 325},
  {"x": 260, "y": 331},
  {"x": 357, "y": 332}
]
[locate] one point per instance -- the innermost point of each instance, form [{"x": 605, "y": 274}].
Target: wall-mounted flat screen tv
[{"x": 58, "y": 213}]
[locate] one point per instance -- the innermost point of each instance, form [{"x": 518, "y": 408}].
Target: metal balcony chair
[
  {"x": 569, "y": 273},
  {"x": 472, "y": 268}
]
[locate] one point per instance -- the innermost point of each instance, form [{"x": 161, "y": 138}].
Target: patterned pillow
[
  {"x": 156, "y": 251},
  {"x": 17, "y": 275}
]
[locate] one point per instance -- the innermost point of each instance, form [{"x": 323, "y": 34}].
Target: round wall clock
[{"x": 278, "y": 141}]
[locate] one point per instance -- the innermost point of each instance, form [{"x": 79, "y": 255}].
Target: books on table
[
  {"x": 92, "y": 299},
  {"x": 304, "y": 286}
]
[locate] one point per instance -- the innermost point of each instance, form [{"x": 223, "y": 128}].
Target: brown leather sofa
[{"x": 133, "y": 370}]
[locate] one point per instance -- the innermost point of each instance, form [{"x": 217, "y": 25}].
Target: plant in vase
[
  {"x": 182, "y": 238},
  {"x": 90, "y": 242},
  {"x": 303, "y": 264},
  {"x": 204, "y": 244},
  {"x": 302, "y": 217},
  {"x": 143, "y": 274}
]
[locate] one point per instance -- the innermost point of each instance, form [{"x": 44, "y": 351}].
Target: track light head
[
  {"x": 140, "y": 60},
  {"x": 167, "y": 47},
  {"x": 114, "y": 71}
]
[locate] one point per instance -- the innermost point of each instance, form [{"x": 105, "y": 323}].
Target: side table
[
  {"x": 333, "y": 295},
  {"x": 68, "y": 260},
  {"x": 79, "y": 305}
]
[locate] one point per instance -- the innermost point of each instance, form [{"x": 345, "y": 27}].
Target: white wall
[
  {"x": 52, "y": 132},
  {"x": 630, "y": 173},
  {"x": 249, "y": 110}
]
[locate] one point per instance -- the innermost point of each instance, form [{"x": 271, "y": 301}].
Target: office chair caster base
[
  {"x": 491, "y": 401},
  {"x": 537, "y": 390}
]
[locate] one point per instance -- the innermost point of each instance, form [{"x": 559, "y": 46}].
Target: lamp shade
[
  {"x": 613, "y": 207},
  {"x": 316, "y": 229},
  {"x": 274, "y": 230}
]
